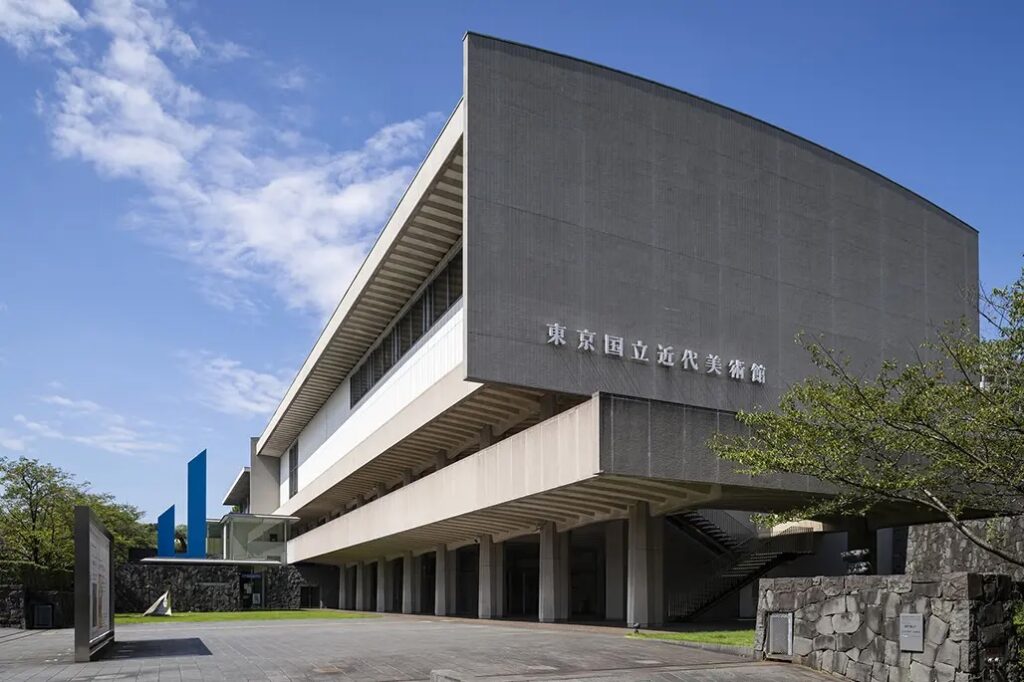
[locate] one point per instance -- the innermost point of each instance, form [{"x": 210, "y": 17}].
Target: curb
[{"x": 741, "y": 651}]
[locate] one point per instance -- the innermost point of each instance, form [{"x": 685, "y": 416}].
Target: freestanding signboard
[{"x": 94, "y": 585}]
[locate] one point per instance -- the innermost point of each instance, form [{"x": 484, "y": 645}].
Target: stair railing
[{"x": 764, "y": 548}]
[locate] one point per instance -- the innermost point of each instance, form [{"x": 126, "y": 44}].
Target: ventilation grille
[{"x": 780, "y": 634}]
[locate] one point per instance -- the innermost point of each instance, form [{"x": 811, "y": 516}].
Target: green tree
[
  {"x": 36, "y": 508},
  {"x": 37, "y": 502},
  {"x": 943, "y": 433}
]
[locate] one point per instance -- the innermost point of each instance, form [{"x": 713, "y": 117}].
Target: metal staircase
[{"x": 741, "y": 555}]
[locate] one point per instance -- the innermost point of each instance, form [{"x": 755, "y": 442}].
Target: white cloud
[
  {"x": 226, "y": 386},
  {"x": 229, "y": 192},
  {"x": 34, "y": 24},
  {"x": 81, "y": 406},
  {"x": 292, "y": 79},
  {"x": 91, "y": 425},
  {"x": 12, "y": 442}
]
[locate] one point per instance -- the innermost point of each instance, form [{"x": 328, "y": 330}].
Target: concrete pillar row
[
  {"x": 361, "y": 587},
  {"x": 452, "y": 579},
  {"x": 417, "y": 584},
  {"x": 638, "y": 561},
  {"x": 382, "y": 584},
  {"x": 441, "y": 581},
  {"x": 486, "y": 578},
  {"x": 408, "y": 595},
  {"x": 645, "y": 594},
  {"x": 342, "y": 591},
  {"x": 554, "y": 575}
]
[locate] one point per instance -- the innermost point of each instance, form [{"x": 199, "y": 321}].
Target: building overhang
[
  {"x": 574, "y": 469},
  {"x": 238, "y": 493},
  {"x": 421, "y": 231}
]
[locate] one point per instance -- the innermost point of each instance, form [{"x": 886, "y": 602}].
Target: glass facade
[
  {"x": 255, "y": 537},
  {"x": 434, "y": 301}
]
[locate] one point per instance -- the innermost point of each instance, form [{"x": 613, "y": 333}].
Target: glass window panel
[
  {"x": 440, "y": 298},
  {"x": 455, "y": 279}
]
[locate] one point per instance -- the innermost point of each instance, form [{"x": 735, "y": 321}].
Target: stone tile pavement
[{"x": 394, "y": 648}]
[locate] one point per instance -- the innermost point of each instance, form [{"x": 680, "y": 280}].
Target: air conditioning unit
[
  {"x": 779, "y": 638},
  {"x": 42, "y": 616}
]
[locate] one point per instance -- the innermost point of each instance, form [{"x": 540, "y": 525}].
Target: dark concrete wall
[
  {"x": 657, "y": 439},
  {"x": 606, "y": 202},
  {"x": 326, "y": 577}
]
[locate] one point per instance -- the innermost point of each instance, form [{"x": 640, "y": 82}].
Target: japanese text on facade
[{"x": 587, "y": 341}]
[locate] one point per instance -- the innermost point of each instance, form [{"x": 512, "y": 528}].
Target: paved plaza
[{"x": 388, "y": 648}]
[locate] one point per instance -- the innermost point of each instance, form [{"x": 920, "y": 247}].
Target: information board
[
  {"x": 94, "y": 585},
  {"x": 911, "y": 632}
]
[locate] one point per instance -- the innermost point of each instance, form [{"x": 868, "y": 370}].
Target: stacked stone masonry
[
  {"x": 12, "y": 606},
  {"x": 849, "y": 625},
  {"x": 938, "y": 547},
  {"x": 198, "y": 587}
]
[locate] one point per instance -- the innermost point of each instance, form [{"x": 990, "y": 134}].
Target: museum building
[{"x": 588, "y": 276}]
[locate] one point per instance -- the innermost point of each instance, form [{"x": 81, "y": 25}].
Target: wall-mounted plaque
[{"x": 911, "y": 632}]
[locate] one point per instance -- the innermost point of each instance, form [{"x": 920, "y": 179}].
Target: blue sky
[{"x": 187, "y": 188}]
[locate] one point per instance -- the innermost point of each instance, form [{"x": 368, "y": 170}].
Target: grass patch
[
  {"x": 222, "y": 616},
  {"x": 730, "y": 637}
]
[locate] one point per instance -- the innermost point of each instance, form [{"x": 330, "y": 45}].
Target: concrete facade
[{"x": 486, "y": 460}]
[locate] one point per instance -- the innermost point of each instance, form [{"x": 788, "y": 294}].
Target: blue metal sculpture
[
  {"x": 165, "y": 533},
  {"x": 197, "y": 507}
]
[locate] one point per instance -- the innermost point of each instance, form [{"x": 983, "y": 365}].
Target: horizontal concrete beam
[{"x": 550, "y": 455}]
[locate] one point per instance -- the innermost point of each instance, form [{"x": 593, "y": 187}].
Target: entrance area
[
  {"x": 251, "y": 586},
  {"x": 522, "y": 578}
]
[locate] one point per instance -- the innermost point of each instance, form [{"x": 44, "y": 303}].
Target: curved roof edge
[{"x": 727, "y": 108}]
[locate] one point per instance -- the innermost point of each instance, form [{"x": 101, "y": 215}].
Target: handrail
[{"x": 760, "y": 549}]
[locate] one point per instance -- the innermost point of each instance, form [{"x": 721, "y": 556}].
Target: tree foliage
[
  {"x": 944, "y": 432},
  {"x": 37, "y": 502}
]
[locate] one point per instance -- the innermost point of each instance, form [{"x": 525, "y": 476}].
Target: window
[
  {"x": 293, "y": 470},
  {"x": 437, "y": 298}
]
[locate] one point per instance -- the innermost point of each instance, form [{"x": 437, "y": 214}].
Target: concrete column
[
  {"x": 614, "y": 570},
  {"x": 342, "y": 591},
  {"x": 656, "y": 569},
  {"x": 417, "y": 584},
  {"x": 637, "y": 596},
  {"x": 562, "y": 587},
  {"x": 499, "y": 579},
  {"x": 452, "y": 578},
  {"x": 382, "y": 584},
  {"x": 485, "y": 578},
  {"x": 407, "y": 583},
  {"x": 441, "y": 581},
  {"x": 547, "y": 607},
  {"x": 361, "y": 587}
]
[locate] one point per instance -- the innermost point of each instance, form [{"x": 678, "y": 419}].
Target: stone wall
[
  {"x": 12, "y": 606},
  {"x": 282, "y": 586},
  {"x": 938, "y": 547},
  {"x": 201, "y": 587},
  {"x": 849, "y": 625}
]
